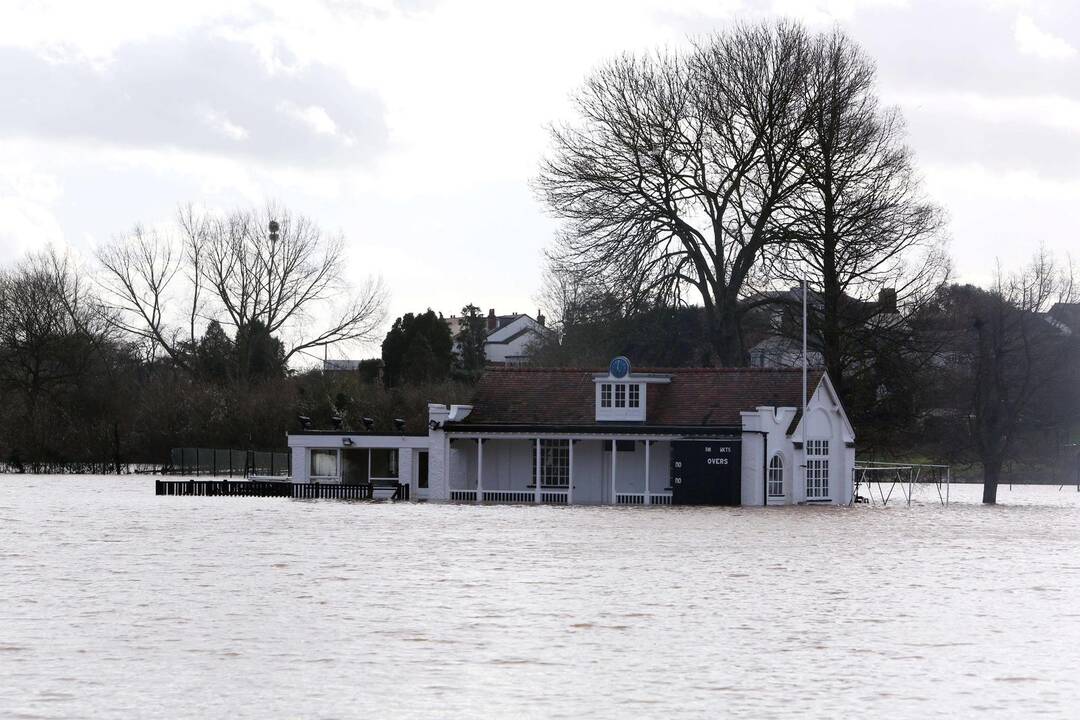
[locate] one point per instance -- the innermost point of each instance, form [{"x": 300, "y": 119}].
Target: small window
[
  {"x": 384, "y": 463},
  {"x": 324, "y": 463},
  {"x": 605, "y": 395},
  {"x": 776, "y": 476},
  {"x": 635, "y": 396},
  {"x": 620, "y": 395}
]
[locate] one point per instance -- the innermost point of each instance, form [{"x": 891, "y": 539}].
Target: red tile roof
[{"x": 694, "y": 397}]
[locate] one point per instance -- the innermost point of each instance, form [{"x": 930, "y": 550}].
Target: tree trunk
[
  {"x": 991, "y": 475},
  {"x": 116, "y": 446},
  {"x": 725, "y": 335}
]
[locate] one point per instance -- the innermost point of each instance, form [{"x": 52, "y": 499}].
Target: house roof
[{"x": 695, "y": 397}]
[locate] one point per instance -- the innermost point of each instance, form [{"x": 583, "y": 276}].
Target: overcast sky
[{"x": 414, "y": 127}]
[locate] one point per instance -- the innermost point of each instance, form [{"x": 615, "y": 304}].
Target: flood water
[{"x": 117, "y": 603}]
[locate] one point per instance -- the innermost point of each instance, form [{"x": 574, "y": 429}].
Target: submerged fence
[
  {"x": 302, "y": 491},
  {"x": 227, "y": 463}
]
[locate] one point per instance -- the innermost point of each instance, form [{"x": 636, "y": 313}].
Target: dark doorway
[{"x": 422, "y": 469}]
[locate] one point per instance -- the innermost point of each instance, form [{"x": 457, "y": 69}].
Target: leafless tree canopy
[
  {"x": 1018, "y": 357},
  {"x": 48, "y": 325},
  {"x": 707, "y": 174},
  {"x": 681, "y": 161},
  {"x": 234, "y": 270},
  {"x": 859, "y": 224}
]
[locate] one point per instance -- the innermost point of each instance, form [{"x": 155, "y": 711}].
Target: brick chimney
[
  {"x": 887, "y": 301},
  {"x": 539, "y": 318},
  {"x": 492, "y": 321}
]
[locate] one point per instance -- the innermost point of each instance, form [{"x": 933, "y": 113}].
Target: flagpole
[{"x": 804, "y": 369}]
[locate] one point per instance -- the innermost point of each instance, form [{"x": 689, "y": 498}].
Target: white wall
[
  {"x": 825, "y": 421},
  {"x": 508, "y": 465}
]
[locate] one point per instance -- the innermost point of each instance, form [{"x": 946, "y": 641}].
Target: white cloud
[
  {"x": 314, "y": 116},
  {"x": 27, "y": 218},
  {"x": 221, "y": 123},
  {"x": 1030, "y": 40},
  {"x": 445, "y": 103},
  {"x": 1052, "y": 111}
]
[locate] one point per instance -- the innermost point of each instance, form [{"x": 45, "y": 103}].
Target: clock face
[{"x": 620, "y": 367}]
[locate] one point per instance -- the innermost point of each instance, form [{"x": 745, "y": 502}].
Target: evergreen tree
[
  {"x": 418, "y": 348},
  {"x": 471, "y": 339}
]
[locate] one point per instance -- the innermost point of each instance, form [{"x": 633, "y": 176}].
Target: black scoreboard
[{"x": 706, "y": 472}]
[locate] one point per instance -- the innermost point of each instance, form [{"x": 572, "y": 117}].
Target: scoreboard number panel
[{"x": 706, "y": 472}]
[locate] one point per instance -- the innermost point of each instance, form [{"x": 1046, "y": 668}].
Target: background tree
[
  {"x": 417, "y": 349},
  {"x": 672, "y": 178},
  {"x": 860, "y": 229},
  {"x": 261, "y": 283},
  {"x": 51, "y": 335},
  {"x": 1018, "y": 358},
  {"x": 471, "y": 340},
  {"x": 992, "y": 393}
]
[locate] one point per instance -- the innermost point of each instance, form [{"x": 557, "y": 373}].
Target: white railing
[
  {"x": 655, "y": 498},
  {"x": 554, "y": 497},
  {"x": 509, "y": 496}
]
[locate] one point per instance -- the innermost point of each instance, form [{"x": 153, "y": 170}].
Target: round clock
[{"x": 619, "y": 367}]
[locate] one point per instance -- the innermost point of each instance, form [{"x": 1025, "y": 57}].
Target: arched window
[{"x": 776, "y": 476}]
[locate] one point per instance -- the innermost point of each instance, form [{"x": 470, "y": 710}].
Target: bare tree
[
  {"x": 860, "y": 229},
  {"x": 271, "y": 278},
  {"x": 680, "y": 164},
  {"x": 1018, "y": 357},
  {"x": 49, "y": 328},
  {"x": 138, "y": 283},
  {"x": 261, "y": 281}
]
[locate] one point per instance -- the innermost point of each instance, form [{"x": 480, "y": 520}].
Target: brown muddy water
[{"x": 116, "y": 603}]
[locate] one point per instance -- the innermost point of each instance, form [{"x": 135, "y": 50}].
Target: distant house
[
  {"x": 1065, "y": 317},
  {"x": 370, "y": 369},
  {"x": 779, "y": 345},
  {"x": 508, "y": 336},
  {"x": 341, "y": 365}
]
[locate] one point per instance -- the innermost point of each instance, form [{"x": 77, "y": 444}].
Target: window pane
[
  {"x": 324, "y": 463},
  {"x": 620, "y": 395},
  {"x": 554, "y": 463},
  {"x": 635, "y": 395},
  {"x": 776, "y": 476},
  {"x": 605, "y": 395},
  {"x": 384, "y": 462}
]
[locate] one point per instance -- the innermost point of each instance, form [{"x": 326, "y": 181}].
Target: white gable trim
[{"x": 833, "y": 403}]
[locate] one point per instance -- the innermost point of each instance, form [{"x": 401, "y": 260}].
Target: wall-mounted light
[
  {"x": 347, "y": 441},
  {"x": 369, "y": 424}
]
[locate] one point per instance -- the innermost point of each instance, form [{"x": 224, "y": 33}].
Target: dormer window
[
  {"x": 619, "y": 401},
  {"x": 620, "y": 394}
]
